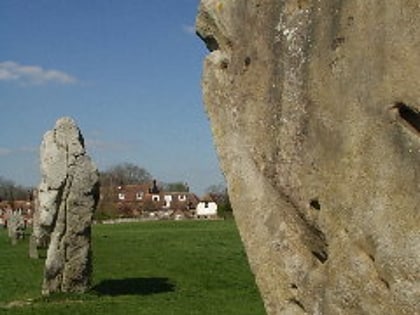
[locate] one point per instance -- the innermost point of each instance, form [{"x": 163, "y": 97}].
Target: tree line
[
  {"x": 10, "y": 191},
  {"x": 131, "y": 174}
]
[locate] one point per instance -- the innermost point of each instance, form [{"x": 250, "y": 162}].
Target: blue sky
[{"x": 128, "y": 71}]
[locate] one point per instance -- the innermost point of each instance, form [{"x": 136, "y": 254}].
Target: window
[
  {"x": 121, "y": 196},
  {"x": 206, "y": 204},
  {"x": 167, "y": 201},
  {"x": 155, "y": 198},
  {"x": 182, "y": 197},
  {"x": 139, "y": 195}
]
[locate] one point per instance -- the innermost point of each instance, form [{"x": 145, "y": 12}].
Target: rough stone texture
[
  {"x": 68, "y": 195},
  {"x": 15, "y": 226},
  {"x": 314, "y": 111},
  {"x": 33, "y": 247},
  {"x": 37, "y": 239}
]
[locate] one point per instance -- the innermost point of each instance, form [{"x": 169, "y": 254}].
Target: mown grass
[{"x": 169, "y": 268}]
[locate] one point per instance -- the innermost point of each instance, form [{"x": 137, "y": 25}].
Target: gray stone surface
[
  {"x": 33, "y": 247},
  {"x": 314, "y": 107},
  {"x": 15, "y": 226},
  {"x": 39, "y": 238},
  {"x": 67, "y": 198}
]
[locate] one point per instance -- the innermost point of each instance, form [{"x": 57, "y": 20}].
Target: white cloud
[
  {"x": 5, "y": 151},
  {"x": 23, "y": 149},
  {"x": 28, "y": 149},
  {"x": 33, "y": 75},
  {"x": 189, "y": 29},
  {"x": 101, "y": 145}
]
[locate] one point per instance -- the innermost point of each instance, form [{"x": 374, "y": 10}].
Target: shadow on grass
[{"x": 134, "y": 286}]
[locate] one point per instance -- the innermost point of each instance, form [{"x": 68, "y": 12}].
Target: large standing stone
[
  {"x": 67, "y": 198},
  {"x": 314, "y": 107}
]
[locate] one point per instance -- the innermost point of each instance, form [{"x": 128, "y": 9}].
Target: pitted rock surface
[
  {"x": 67, "y": 198},
  {"x": 314, "y": 107}
]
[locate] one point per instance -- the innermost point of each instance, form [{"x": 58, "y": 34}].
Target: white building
[{"x": 206, "y": 208}]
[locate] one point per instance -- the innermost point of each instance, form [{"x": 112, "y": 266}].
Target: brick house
[
  {"x": 23, "y": 207},
  {"x": 149, "y": 200}
]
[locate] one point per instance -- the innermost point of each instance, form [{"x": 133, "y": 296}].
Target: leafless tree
[
  {"x": 125, "y": 174},
  {"x": 9, "y": 191}
]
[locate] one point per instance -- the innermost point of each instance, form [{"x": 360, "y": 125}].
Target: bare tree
[
  {"x": 176, "y": 187},
  {"x": 218, "y": 189},
  {"x": 10, "y": 191},
  {"x": 125, "y": 174},
  {"x": 219, "y": 194}
]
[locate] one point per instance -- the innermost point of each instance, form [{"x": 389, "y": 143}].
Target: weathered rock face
[
  {"x": 314, "y": 111},
  {"x": 68, "y": 196},
  {"x": 15, "y": 225},
  {"x": 37, "y": 240}
]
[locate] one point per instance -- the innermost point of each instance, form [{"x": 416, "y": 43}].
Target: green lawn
[{"x": 162, "y": 268}]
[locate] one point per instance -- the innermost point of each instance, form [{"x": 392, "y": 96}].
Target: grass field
[{"x": 165, "y": 268}]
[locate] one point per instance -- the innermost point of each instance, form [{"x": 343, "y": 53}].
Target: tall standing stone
[
  {"x": 314, "y": 107},
  {"x": 68, "y": 195}
]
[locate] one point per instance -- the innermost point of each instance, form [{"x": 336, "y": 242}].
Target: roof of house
[
  {"x": 131, "y": 191},
  {"x": 16, "y": 204},
  {"x": 179, "y": 200},
  {"x": 207, "y": 198}
]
